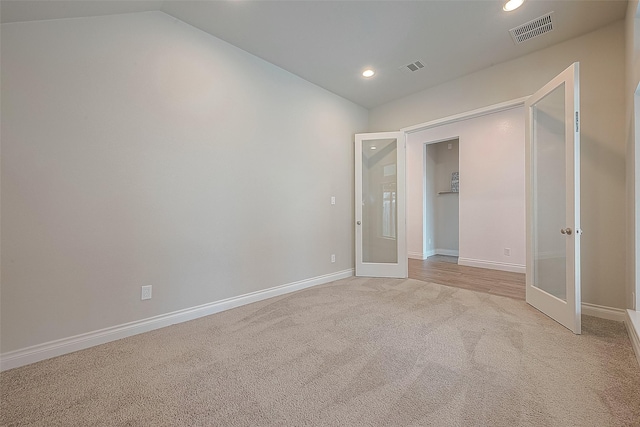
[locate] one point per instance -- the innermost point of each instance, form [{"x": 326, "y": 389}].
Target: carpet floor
[{"x": 356, "y": 352}]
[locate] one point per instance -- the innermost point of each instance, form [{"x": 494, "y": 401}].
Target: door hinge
[{"x": 577, "y": 122}]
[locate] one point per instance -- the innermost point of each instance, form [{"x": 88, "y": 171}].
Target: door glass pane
[
  {"x": 549, "y": 193},
  {"x": 379, "y": 208}
]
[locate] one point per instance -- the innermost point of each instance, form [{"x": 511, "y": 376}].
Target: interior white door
[
  {"x": 553, "y": 199},
  {"x": 380, "y": 204}
]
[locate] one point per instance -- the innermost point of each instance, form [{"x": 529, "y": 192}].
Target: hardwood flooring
[{"x": 445, "y": 270}]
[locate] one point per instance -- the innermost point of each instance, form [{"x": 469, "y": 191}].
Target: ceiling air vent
[
  {"x": 414, "y": 66},
  {"x": 532, "y": 29}
]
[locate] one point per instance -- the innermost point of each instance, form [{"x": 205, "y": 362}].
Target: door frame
[
  {"x": 490, "y": 109},
  {"x": 426, "y": 201}
]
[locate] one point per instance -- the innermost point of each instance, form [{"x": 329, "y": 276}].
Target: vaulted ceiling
[{"x": 330, "y": 43}]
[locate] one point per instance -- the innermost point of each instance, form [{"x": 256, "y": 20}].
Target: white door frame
[
  {"x": 426, "y": 201},
  {"x": 490, "y": 109}
]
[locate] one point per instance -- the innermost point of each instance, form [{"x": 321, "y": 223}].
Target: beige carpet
[{"x": 357, "y": 352}]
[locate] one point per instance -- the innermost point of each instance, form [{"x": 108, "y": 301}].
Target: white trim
[
  {"x": 493, "y": 265},
  {"x": 421, "y": 256},
  {"x": 502, "y": 106},
  {"x": 36, "y": 353},
  {"x": 603, "y": 312},
  {"x": 448, "y": 252},
  {"x": 417, "y": 255},
  {"x": 632, "y": 321}
]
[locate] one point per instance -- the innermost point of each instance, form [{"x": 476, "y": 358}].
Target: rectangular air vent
[
  {"x": 532, "y": 29},
  {"x": 414, "y": 66}
]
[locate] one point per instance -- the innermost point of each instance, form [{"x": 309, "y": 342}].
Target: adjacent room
[
  {"x": 182, "y": 214},
  {"x": 466, "y": 200}
]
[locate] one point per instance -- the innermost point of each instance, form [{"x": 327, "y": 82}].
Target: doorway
[
  {"x": 495, "y": 172},
  {"x": 468, "y": 201},
  {"x": 490, "y": 192},
  {"x": 442, "y": 204},
  {"x": 441, "y": 227}
]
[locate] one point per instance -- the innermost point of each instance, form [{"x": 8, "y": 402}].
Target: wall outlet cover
[{"x": 146, "y": 292}]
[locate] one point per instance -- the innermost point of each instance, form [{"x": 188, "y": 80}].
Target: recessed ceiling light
[
  {"x": 368, "y": 73},
  {"x": 512, "y": 5}
]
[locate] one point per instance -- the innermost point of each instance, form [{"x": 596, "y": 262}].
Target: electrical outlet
[
  {"x": 507, "y": 251},
  {"x": 146, "y": 292},
  {"x": 333, "y": 257},
  {"x": 333, "y": 200}
]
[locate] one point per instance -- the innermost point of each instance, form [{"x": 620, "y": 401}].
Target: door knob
[
  {"x": 566, "y": 231},
  {"x": 358, "y": 222}
]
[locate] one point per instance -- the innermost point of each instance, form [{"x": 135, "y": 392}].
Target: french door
[
  {"x": 553, "y": 199},
  {"x": 380, "y": 204}
]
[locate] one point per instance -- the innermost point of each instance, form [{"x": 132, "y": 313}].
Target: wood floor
[{"x": 445, "y": 270}]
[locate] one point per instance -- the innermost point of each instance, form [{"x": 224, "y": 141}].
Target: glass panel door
[
  {"x": 553, "y": 199},
  {"x": 380, "y": 221},
  {"x": 549, "y": 194}
]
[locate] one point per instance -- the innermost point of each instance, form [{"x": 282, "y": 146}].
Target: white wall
[
  {"x": 137, "y": 150},
  {"x": 491, "y": 198},
  {"x": 601, "y": 55}
]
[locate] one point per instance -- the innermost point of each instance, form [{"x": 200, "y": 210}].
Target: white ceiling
[{"x": 329, "y": 43}]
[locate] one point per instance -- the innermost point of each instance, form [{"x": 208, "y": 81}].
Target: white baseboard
[
  {"x": 632, "y": 321},
  {"x": 36, "y": 353},
  {"x": 493, "y": 265},
  {"x": 420, "y": 255},
  {"x": 603, "y": 312},
  {"x": 432, "y": 252},
  {"x": 447, "y": 252},
  {"x": 416, "y": 255}
]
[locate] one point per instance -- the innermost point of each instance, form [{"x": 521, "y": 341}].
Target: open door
[
  {"x": 380, "y": 203},
  {"x": 553, "y": 199}
]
